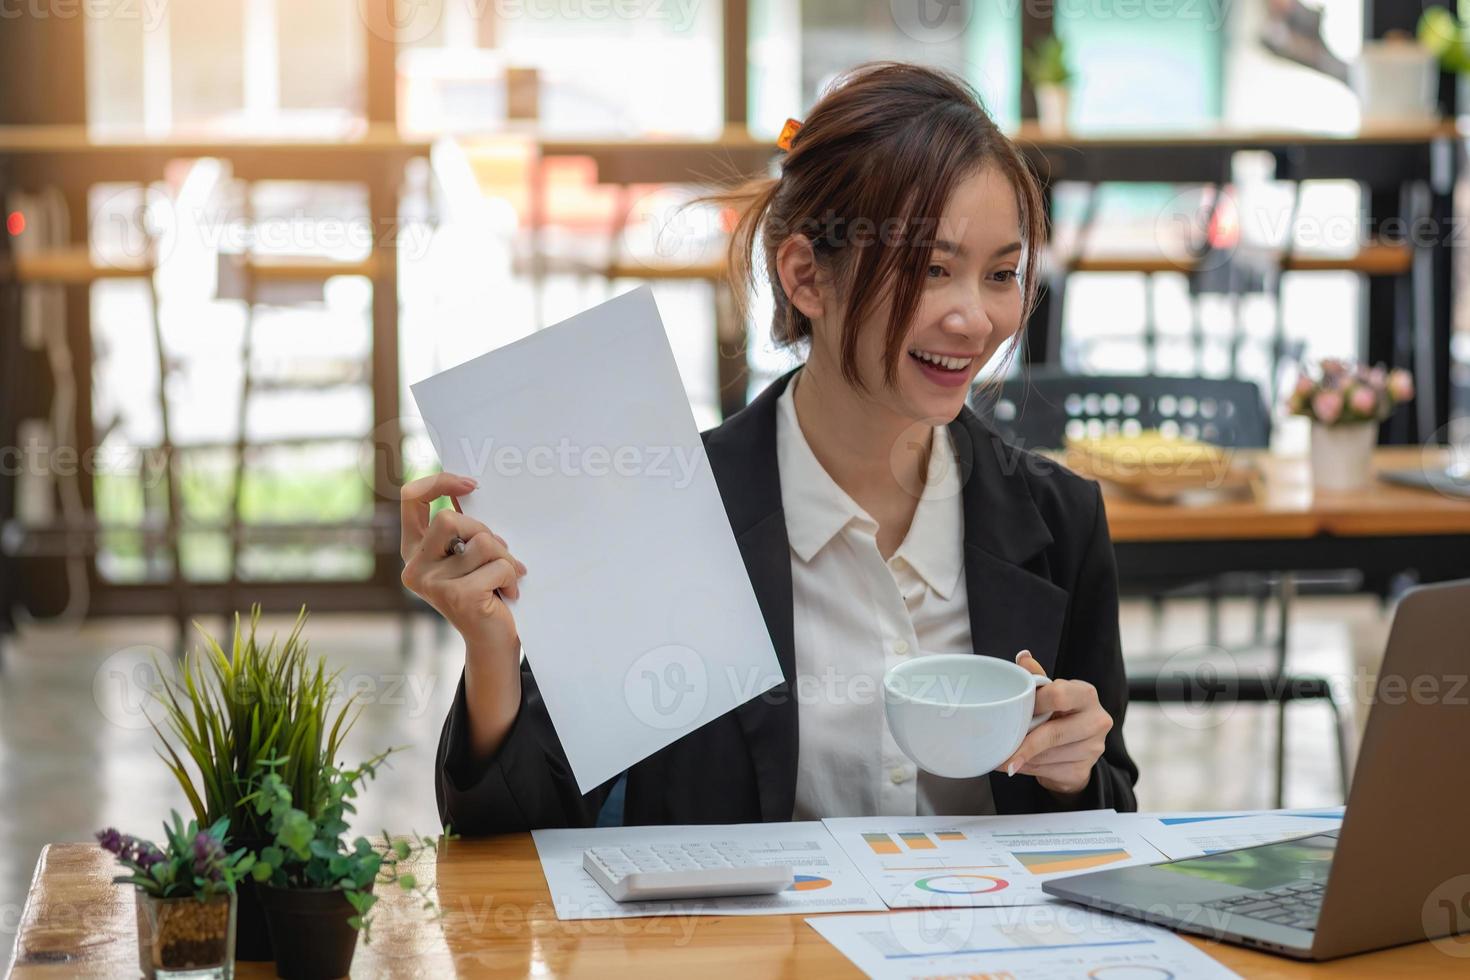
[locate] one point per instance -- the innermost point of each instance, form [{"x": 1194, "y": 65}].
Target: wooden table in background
[
  {"x": 1286, "y": 526},
  {"x": 498, "y": 921}
]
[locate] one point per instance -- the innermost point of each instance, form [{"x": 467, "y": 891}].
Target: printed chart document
[
  {"x": 1038, "y": 942},
  {"x": 825, "y": 880},
  {"x": 1187, "y": 835},
  {"x": 636, "y": 612},
  {"x": 928, "y": 862}
]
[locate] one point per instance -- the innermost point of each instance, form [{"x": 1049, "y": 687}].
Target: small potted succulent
[
  {"x": 184, "y": 898},
  {"x": 1346, "y": 403},
  {"x": 225, "y": 714},
  {"x": 315, "y": 887},
  {"x": 1050, "y": 78}
]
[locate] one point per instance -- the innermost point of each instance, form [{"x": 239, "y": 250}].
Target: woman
[{"x": 877, "y": 516}]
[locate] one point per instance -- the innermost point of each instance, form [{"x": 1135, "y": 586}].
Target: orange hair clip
[{"x": 788, "y": 133}]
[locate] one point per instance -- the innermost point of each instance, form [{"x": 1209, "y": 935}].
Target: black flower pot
[
  {"x": 252, "y": 938},
  {"x": 309, "y": 931}
]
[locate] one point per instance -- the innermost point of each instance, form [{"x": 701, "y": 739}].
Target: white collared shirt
[{"x": 855, "y": 616}]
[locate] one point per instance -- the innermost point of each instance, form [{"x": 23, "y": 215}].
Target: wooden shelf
[
  {"x": 304, "y": 269},
  {"x": 71, "y": 267},
  {"x": 1376, "y": 259},
  {"x": 655, "y": 272}
]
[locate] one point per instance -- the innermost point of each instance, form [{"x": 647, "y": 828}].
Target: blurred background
[{"x": 237, "y": 230}]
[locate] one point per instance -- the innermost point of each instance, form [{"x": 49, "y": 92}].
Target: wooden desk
[
  {"x": 1286, "y": 526},
  {"x": 498, "y": 921}
]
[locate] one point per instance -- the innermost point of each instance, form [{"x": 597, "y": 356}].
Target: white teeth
[{"x": 949, "y": 363}]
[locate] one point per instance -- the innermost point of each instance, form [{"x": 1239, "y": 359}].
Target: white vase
[
  {"x": 1052, "y": 104},
  {"x": 1342, "y": 455},
  {"x": 1396, "y": 82}
]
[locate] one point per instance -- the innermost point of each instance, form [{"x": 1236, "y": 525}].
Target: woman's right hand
[{"x": 466, "y": 589}]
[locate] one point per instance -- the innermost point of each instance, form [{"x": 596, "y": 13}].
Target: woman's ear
[{"x": 796, "y": 264}]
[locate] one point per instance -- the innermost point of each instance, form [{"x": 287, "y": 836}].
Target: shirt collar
[{"x": 817, "y": 508}]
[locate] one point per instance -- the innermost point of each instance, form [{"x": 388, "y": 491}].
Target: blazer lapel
[
  {"x": 1014, "y": 606},
  {"x": 742, "y": 455}
]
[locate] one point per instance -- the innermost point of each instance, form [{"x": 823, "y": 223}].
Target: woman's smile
[{"x": 947, "y": 370}]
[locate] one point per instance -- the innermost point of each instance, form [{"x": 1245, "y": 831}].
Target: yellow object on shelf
[{"x": 1157, "y": 466}]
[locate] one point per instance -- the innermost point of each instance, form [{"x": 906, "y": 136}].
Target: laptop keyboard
[{"x": 1295, "y": 905}]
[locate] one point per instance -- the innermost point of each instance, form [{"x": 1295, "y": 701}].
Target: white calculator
[{"x": 664, "y": 871}]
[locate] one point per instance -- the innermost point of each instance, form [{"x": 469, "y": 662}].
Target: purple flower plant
[{"x": 194, "y": 863}]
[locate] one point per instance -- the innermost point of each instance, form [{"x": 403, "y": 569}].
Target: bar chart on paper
[{"x": 925, "y": 862}]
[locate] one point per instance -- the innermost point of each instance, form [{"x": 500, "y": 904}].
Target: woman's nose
[{"x": 969, "y": 321}]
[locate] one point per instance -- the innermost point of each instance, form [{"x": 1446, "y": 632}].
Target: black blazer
[{"x": 1040, "y": 575}]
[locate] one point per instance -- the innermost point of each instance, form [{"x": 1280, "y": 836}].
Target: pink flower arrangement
[{"x": 1339, "y": 393}]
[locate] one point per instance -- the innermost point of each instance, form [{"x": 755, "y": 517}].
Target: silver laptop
[{"x": 1397, "y": 871}]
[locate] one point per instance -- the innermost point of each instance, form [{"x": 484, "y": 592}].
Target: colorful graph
[
  {"x": 809, "y": 883},
  {"x": 961, "y": 884},
  {"x": 881, "y": 843},
  {"x": 917, "y": 841},
  {"x": 949, "y": 835},
  {"x": 1050, "y": 862}
]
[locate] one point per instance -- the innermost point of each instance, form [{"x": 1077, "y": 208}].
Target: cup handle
[{"x": 1038, "y": 680}]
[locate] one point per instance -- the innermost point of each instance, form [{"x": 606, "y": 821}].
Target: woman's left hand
[{"x": 1061, "y": 751}]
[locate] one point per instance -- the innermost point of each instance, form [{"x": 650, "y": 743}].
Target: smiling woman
[{"x": 878, "y": 518}]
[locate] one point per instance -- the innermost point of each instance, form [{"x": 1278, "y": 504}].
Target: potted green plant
[
  {"x": 1046, "y": 69},
  {"x": 227, "y": 714},
  {"x": 1345, "y": 404},
  {"x": 315, "y": 887},
  {"x": 183, "y": 897}
]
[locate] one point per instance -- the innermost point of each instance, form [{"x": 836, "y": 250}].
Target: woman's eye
[
  {"x": 1006, "y": 275},
  {"x": 935, "y": 271}
]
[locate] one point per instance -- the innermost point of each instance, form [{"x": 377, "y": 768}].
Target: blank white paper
[{"x": 636, "y": 612}]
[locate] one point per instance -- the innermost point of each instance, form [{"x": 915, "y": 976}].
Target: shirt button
[
  {"x": 898, "y": 776},
  {"x": 901, "y": 647}
]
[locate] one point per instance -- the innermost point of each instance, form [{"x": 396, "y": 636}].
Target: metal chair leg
[
  {"x": 1287, "y": 589},
  {"x": 1280, "y": 754},
  {"x": 1343, "y": 723},
  {"x": 1212, "y": 612}
]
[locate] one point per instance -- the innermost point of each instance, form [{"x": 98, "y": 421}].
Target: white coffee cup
[{"x": 960, "y": 714}]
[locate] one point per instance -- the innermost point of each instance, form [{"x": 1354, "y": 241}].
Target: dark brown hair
[{"x": 866, "y": 180}]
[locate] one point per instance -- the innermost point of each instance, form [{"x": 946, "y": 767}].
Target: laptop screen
[{"x": 1267, "y": 866}]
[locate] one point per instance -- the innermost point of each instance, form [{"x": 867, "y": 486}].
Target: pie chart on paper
[
  {"x": 809, "y": 883},
  {"x": 961, "y": 884}
]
